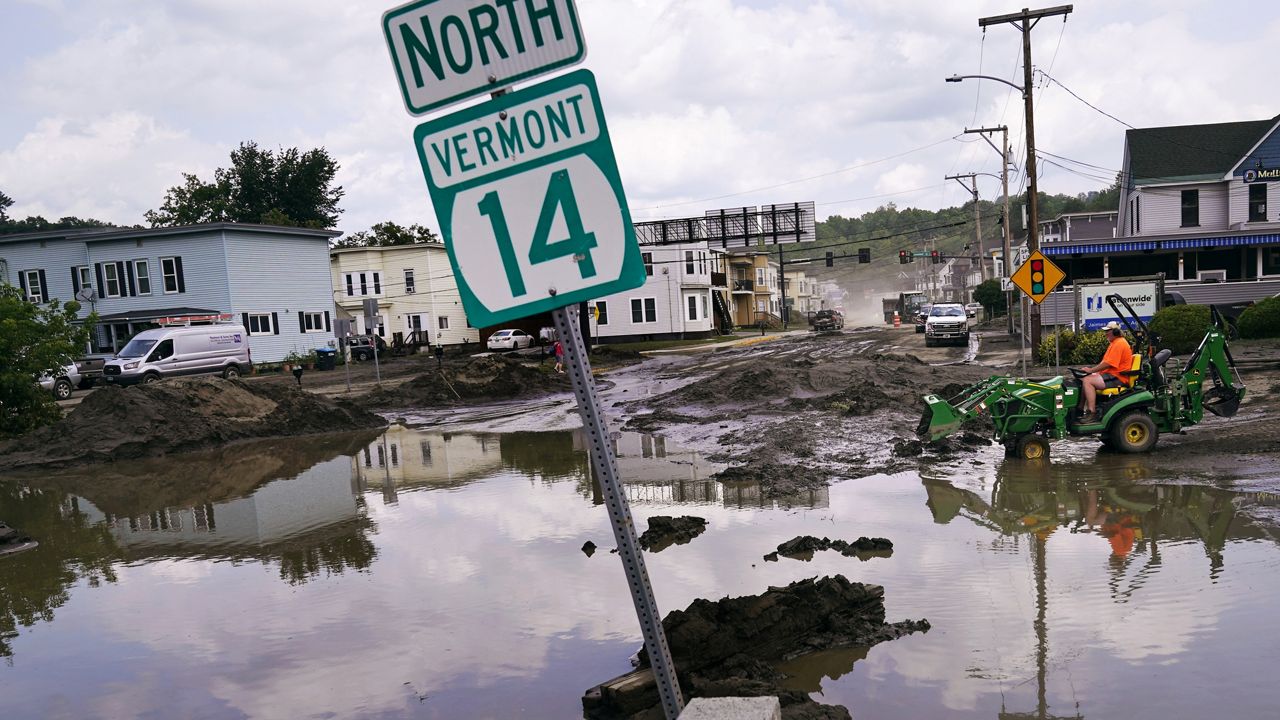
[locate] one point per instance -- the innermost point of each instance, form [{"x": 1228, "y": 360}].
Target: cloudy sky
[{"x": 711, "y": 103}]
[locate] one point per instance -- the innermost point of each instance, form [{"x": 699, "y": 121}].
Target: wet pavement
[{"x": 428, "y": 574}]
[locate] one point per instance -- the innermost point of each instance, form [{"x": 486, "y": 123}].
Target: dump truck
[
  {"x": 907, "y": 304},
  {"x": 1160, "y": 394}
]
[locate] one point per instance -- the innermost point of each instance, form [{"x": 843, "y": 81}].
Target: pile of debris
[
  {"x": 665, "y": 531},
  {"x": 728, "y": 647},
  {"x": 802, "y": 547},
  {"x": 179, "y": 415},
  {"x": 487, "y": 377}
]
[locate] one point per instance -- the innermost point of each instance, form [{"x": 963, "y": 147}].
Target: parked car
[
  {"x": 827, "y": 320},
  {"x": 186, "y": 350},
  {"x": 921, "y": 316},
  {"x": 510, "y": 340},
  {"x": 972, "y": 309},
  {"x": 946, "y": 321},
  {"x": 62, "y": 383},
  {"x": 364, "y": 346}
]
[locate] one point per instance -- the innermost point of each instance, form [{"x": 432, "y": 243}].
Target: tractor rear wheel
[
  {"x": 1133, "y": 432},
  {"x": 1032, "y": 447}
]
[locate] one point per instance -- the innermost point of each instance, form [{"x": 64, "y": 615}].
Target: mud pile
[
  {"x": 665, "y": 531},
  {"x": 179, "y": 415},
  {"x": 802, "y": 547},
  {"x": 726, "y": 647},
  {"x": 486, "y": 377}
]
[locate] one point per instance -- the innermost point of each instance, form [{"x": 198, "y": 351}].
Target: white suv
[{"x": 946, "y": 321}]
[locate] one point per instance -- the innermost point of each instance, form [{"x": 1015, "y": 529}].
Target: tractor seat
[
  {"x": 1130, "y": 376},
  {"x": 1156, "y": 367}
]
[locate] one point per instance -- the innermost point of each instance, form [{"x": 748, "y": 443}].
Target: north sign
[
  {"x": 445, "y": 51},
  {"x": 529, "y": 201},
  {"x": 1038, "y": 276}
]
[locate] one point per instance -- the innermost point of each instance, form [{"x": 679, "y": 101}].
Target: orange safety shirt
[{"x": 1118, "y": 359}]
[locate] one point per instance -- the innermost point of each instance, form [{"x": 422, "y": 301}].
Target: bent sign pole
[{"x": 605, "y": 466}]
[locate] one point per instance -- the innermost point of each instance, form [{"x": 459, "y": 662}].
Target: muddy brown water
[{"x": 433, "y": 575}]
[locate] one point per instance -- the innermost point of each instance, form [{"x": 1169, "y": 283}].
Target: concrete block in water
[{"x": 733, "y": 708}]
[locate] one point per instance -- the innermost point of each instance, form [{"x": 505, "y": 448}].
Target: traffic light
[
  {"x": 831, "y": 259},
  {"x": 864, "y": 255},
  {"x": 904, "y": 257},
  {"x": 935, "y": 256},
  {"x": 1037, "y": 277}
]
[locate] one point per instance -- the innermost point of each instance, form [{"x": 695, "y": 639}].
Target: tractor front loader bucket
[{"x": 943, "y": 417}]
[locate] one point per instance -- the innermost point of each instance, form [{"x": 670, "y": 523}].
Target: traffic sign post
[
  {"x": 530, "y": 204},
  {"x": 1037, "y": 277}
]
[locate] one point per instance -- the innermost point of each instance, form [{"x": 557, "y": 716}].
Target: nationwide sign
[
  {"x": 530, "y": 204},
  {"x": 446, "y": 51},
  {"x": 1095, "y": 312}
]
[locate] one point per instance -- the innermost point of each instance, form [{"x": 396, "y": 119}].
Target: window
[
  {"x": 644, "y": 310},
  {"x": 648, "y": 263},
  {"x": 395, "y": 456},
  {"x": 702, "y": 306},
  {"x": 351, "y": 290},
  {"x": 33, "y": 284},
  {"x": 111, "y": 278},
  {"x": 364, "y": 284},
  {"x": 310, "y": 322},
  {"x": 1190, "y": 208},
  {"x": 1137, "y": 212},
  {"x": 142, "y": 277},
  {"x": 409, "y": 287},
  {"x": 82, "y": 278},
  {"x": 760, "y": 277},
  {"x": 1258, "y": 202},
  {"x": 162, "y": 351},
  {"x": 444, "y": 322},
  {"x": 602, "y": 308},
  {"x": 260, "y": 324},
  {"x": 702, "y": 263},
  {"x": 377, "y": 284},
  {"x": 171, "y": 273},
  {"x": 688, "y": 262},
  {"x": 692, "y": 301}
]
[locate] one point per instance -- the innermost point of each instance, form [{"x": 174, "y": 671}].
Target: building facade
[
  {"x": 414, "y": 287},
  {"x": 756, "y": 293},
  {"x": 683, "y": 297},
  {"x": 274, "y": 280}
]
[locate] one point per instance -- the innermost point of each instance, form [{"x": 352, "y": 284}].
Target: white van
[{"x": 168, "y": 352}]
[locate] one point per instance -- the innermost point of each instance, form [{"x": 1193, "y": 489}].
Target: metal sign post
[{"x": 605, "y": 466}]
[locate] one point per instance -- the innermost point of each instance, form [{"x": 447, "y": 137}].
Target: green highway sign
[
  {"x": 529, "y": 201},
  {"x": 445, "y": 51}
]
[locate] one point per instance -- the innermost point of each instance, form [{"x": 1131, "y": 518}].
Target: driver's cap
[{"x": 1113, "y": 325}]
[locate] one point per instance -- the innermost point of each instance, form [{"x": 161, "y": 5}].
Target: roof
[
  {"x": 385, "y": 248},
  {"x": 139, "y": 315},
  {"x": 1191, "y": 152},
  {"x": 116, "y": 233}
]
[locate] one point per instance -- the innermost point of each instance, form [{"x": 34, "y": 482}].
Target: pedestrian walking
[{"x": 559, "y": 351}]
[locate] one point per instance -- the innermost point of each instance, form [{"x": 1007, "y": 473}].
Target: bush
[
  {"x": 1262, "y": 320},
  {"x": 1090, "y": 347},
  {"x": 1067, "y": 340},
  {"x": 1181, "y": 327}
]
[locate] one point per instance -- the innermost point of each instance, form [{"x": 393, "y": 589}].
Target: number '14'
[{"x": 578, "y": 244}]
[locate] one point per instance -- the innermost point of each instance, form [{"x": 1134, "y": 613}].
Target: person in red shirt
[{"x": 1108, "y": 373}]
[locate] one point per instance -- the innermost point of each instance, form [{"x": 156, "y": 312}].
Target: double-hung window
[
  {"x": 648, "y": 263},
  {"x": 644, "y": 310},
  {"x": 171, "y": 275},
  {"x": 111, "y": 278},
  {"x": 409, "y": 287},
  {"x": 33, "y": 283},
  {"x": 688, "y": 262},
  {"x": 351, "y": 290},
  {"x": 260, "y": 324},
  {"x": 311, "y": 322},
  {"x": 760, "y": 278},
  {"x": 142, "y": 277},
  {"x": 443, "y": 321},
  {"x": 1190, "y": 208},
  {"x": 693, "y": 306},
  {"x": 84, "y": 278},
  {"x": 603, "y": 309}
]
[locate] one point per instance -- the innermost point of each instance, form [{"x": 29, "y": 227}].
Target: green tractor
[{"x": 1165, "y": 395}]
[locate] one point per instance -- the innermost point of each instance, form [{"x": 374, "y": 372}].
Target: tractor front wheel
[
  {"x": 1133, "y": 432},
  {"x": 1032, "y": 447}
]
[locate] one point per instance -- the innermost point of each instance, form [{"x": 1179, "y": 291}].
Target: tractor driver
[{"x": 1108, "y": 373}]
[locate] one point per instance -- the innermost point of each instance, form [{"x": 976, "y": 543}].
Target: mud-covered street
[{"x": 780, "y": 472}]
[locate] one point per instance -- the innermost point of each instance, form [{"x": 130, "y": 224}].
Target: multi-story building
[
  {"x": 414, "y": 287},
  {"x": 755, "y": 288},
  {"x": 802, "y": 294},
  {"x": 682, "y": 297},
  {"x": 273, "y": 279},
  {"x": 1079, "y": 226}
]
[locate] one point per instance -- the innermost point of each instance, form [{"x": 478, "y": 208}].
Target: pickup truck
[
  {"x": 946, "y": 321},
  {"x": 828, "y": 321}
]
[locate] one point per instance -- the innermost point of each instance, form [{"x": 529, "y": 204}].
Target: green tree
[
  {"x": 991, "y": 297},
  {"x": 34, "y": 340},
  {"x": 36, "y": 223},
  {"x": 289, "y": 187},
  {"x": 387, "y": 234},
  {"x": 5, "y": 203}
]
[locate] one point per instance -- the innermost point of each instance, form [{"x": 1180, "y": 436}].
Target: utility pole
[
  {"x": 977, "y": 215},
  {"x": 1007, "y": 235},
  {"x": 1025, "y": 21}
]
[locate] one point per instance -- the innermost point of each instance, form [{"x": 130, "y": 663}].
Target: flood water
[{"x": 431, "y": 575}]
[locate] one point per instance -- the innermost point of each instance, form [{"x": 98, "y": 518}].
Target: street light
[{"x": 1015, "y": 86}]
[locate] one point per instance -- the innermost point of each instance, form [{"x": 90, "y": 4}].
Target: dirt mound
[
  {"x": 802, "y": 547},
  {"x": 485, "y": 377},
  {"x": 179, "y": 415},
  {"x": 665, "y": 531},
  {"x": 727, "y": 647},
  {"x": 774, "y": 478}
]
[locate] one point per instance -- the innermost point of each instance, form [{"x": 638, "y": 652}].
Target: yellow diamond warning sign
[{"x": 1038, "y": 277}]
